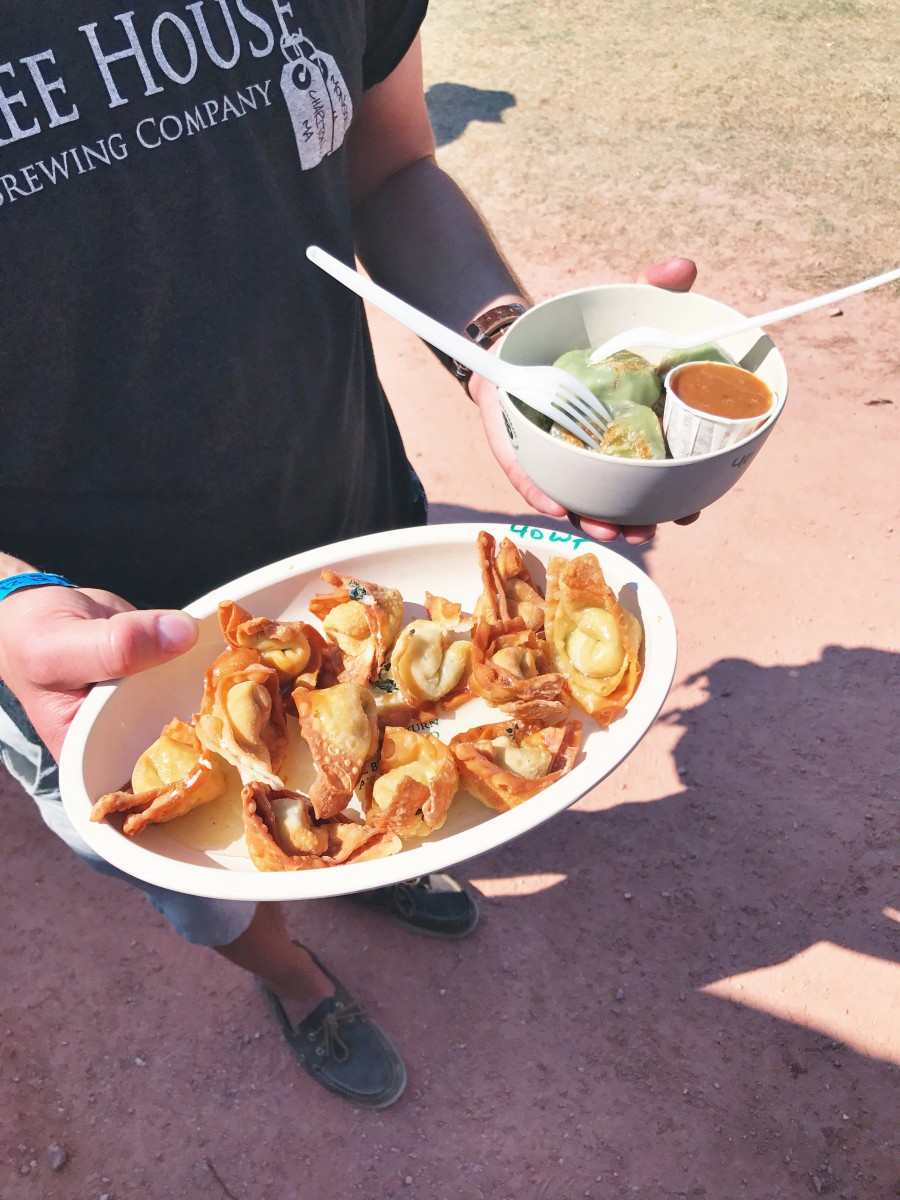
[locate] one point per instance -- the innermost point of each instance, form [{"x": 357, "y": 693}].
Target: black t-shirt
[{"x": 183, "y": 395}]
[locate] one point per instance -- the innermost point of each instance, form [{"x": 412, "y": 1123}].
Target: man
[{"x": 184, "y": 397}]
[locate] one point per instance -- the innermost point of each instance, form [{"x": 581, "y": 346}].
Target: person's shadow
[
  {"x": 789, "y": 776},
  {"x": 454, "y": 106},
  {"x": 632, "y": 957},
  {"x": 578, "y": 1009}
]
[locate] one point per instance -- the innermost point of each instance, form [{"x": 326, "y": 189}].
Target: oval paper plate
[{"x": 204, "y": 853}]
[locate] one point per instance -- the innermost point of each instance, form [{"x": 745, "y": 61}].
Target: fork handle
[
  {"x": 761, "y": 320},
  {"x": 437, "y": 335},
  {"x": 803, "y": 306}
]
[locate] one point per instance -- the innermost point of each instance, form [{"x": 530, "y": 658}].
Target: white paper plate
[{"x": 203, "y": 854}]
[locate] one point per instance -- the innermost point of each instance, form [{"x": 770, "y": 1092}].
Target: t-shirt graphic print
[{"x": 317, "y": 98}]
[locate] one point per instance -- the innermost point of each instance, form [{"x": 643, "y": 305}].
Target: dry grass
[{"x": 718, "y": 128}]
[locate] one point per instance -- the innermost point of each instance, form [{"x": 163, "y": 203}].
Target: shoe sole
[{"x": 442, "y": 935}]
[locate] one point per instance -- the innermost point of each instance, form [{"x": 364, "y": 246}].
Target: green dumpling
[
  {"x": 624, "y": 375},
  {"x": 563, "y": 435},
  {"x": 634, "y": 432},
  {"x": 532, "y": 415},
  {"x": 708, "y": 352}
]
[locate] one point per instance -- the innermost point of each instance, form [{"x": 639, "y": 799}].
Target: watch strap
[
  {"x": 31, "y": 579},
  {"x": 484, "y": 330}
]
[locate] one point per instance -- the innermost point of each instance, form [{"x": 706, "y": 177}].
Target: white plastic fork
[
  {"x": 551, "y": 391},
  {"x": 646, "y": 336}
]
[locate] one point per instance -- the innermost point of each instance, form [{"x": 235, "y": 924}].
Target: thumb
[
  {"x": 76, "y": 652},
  {"x": 675, "y": 274}
]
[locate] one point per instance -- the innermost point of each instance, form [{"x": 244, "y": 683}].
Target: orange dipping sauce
[{"x": 720, "y": 390}]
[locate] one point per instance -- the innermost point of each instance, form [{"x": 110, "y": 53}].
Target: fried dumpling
[
  {"x": 172, "y": 777},
  {"x": 242, "y": 716},
  {"x": 447, "y": 614},
  {"x": 428, "y": 665},
  {"x": 416, "y": 780},
  {"x": 283, "y": 833},
  {"x": 508, "y": 589},
  {"x": 513, "y": 671},
  {"x": 294, "y": 649},
  {"x": 340, "y": 725},
  {"x": 592, "y": 639},
  {"x": 391, "y": 706},
  {"x": 363, "y": 619},
  {"x": 508, "y": 762}
]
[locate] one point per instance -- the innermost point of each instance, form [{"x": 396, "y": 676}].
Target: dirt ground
[{"x": 687, "y": 986}]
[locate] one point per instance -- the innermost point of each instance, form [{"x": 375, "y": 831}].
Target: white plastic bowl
[{"x": 631, "y": 491}]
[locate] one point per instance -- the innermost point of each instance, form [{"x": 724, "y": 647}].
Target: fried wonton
[
  {"x": 428, "y": 665},
  {"x": 171, "y": 777},
  {"x": 242, "y": 715},
  {"x": 447, "y": 614},
  {"x": 283, "y": 833},
  {"x": 508, "y": 589},
  {"x": 391, "y": 706},
  {"x": 363, "y": 619},
  {"x": 513, "y": 671},
  {"x": 416, "y": 780},
  {"x": 593, "y": 640},
  {"x": 506, "y": 763},
  {"x": 340, "y": 725},
  {"x": 294, "y": 649}
]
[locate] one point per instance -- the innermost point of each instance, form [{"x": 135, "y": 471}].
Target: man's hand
[
  {"x": 676, "y": 274},
  {"x": 55, "y": 642}
]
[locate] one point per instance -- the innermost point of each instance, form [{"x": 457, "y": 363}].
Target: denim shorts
[{"x": 197, "y": 919}]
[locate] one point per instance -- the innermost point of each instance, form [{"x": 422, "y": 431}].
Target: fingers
[
  {"x": 531, "y": 493},
  {"x": 688, "y": 520},
  {"x": 498, "y": 440},
  {"x": 602, "y": 531},
  {"x": 675, "y": 274},
  {"x": 74, "y": 652}
]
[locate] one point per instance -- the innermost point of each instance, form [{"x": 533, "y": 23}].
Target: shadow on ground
[
  {"x": 536, "y": 1047},
  {"x": 454, "y": 106}
]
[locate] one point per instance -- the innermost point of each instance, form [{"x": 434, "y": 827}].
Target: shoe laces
[{"x": 333, "y": 1045}]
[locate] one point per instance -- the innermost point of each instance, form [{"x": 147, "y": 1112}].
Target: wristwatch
[{"x": 483, "y": 331}]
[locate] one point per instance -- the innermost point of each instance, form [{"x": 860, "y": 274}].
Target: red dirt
[{"x": 686, "y": 986}]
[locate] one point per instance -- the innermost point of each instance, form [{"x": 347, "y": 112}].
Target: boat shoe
[
  {"x": 435, "y": 905},
  {"x": 342, "y": 1048}
]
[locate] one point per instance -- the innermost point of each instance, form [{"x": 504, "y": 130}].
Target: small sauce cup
[{"x": 710, "y": 406}]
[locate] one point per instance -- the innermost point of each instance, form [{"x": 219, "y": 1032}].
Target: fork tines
[{"x": 571, "y": 403}]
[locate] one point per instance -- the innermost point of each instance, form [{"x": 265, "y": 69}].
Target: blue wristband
[{"x": 17, "y": 583}]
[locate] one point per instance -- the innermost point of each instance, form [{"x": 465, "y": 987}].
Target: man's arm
[
  {"x": 420, "y": 236},
  {"x": 439, "y": 254},
  {"x": 441, "y": 235}
]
